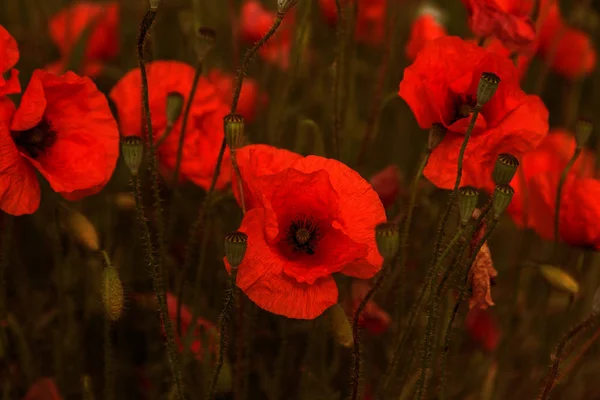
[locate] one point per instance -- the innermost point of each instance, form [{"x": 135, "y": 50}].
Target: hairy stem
[
  {"x": 337, "y": 79},
  {"x": 561, "y": 183},
  {"x": 109, "y": 382}
]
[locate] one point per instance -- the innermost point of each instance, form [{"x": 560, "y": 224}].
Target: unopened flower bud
[
  {"x": 113, "y": 297},
  {"x": 436, "y": 135},
  {"x": 284, "y": 5},
  {"x": 559, "y": 279},
  {"x": 387, "y": 238},
  {"x": 234, "y": 130},
  {"x": 505, "y": 169},
  {"x": 468, "y": 197},
  {"x": 205, "y": 39},
  {"x": 583, "y": 131},
  {"x": 82, "y": 230},
  {"x": 502, "y": 196},
  {"x": 488, "y": 84},
  {"x": 236, "y": 244},
  {"x": 174, "y": 107},
  {"x": 340, "y": 325},
  {"x": 133, "y": 152},
  {"x": 154, "y": 4}
]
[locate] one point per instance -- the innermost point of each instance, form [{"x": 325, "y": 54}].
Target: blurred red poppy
[
  {"x": 9, "y": 55},
  {"x": 424, "y": 29},
  {"x": 251, "y": 98},
  {"x": 373, "y": 318},
  {"x": 302, "y": 227},
  {"x": 440, "y": 87},
  {"x": 483, "y": 328},
  {"x": 508, "y": 20},
  {"x": 387, "y": 184},
  {"x": 370, "y": 23},
  {"x": 204, "y": 131},
  {"x": 43, "y": 389},
  {"x": 95, "y": 22},
  {"x": 524, "y": 56},
  {"x": 63, "y": 127}
]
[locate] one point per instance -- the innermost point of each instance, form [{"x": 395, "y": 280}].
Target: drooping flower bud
[
  {"x": 488, "y": 84},
  {"x": 583, "y": 131},
  {"x": 559, "y": 279},
  {"x": 234, "y": 130},
  {"x": 205, "y": 40},
  {"x": 340, "y": 325},
  {"x": 236, "y": 244},
  {"x": 468, "y": 197},
  {"x": 154, "y": 4},
  {"x": 505, "y": 169},
  {"x": 502, "y": 196},
  {"x": 436, "y": 135},
  {"x": 284, "y": 5},
  {"x": 82, "y": 230},
  {"x": 387, "y": 238},
  {"x": 174, "y": 107},
  {"x": 112, "y": 293},
  {"x": 133, "y": 152}
]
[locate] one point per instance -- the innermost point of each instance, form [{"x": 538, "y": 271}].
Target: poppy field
[{"x": 299, "y": 199}]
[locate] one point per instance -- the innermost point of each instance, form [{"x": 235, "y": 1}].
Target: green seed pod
[
  {"x": 284, "y": 5},
  {"x": 505, "y": 169},
  {"x": 583, "y": 131},
  {"x": 205, "y": 40},
  {"x": 132, "y": 148},
  {"x": 340, "y": 326},
  {"x": 234, "y": 130},
  {"x": 468, "y": 197},
  {"x": 154, "y": 4},
  {"x": 174, "y": 107},
  {"x": 387, "y": 238},
  {"x": 82, "y": 230},
  {"x": 236, "y": 244},
  {"x": 488, "y": 84},
  {"x": 559, "y": 279},
  {"x": 113, "y": 297},
  {"x": 436, "y": 135},
  {"x": 502, "y": 196}
]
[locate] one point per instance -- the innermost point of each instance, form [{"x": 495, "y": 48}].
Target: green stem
[
  {"x": 238, "y": 176},
  {"x": 561, "y": 183},
  {"x": 109, "y": 383},
  {"x": 5, "y": 243},
  {"x": 337, "y": 79},
  {"x": 165, "y": 134}
]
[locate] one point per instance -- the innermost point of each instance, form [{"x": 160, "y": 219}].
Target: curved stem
[
  {"x": 561, "y": 183},
  {"x": 337, "y": 79},
  {"x": 236, "y": 171},
  {"x": 165, "y": 134}
]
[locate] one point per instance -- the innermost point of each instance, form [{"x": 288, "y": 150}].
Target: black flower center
[
  {"x": 303, "y": 234},
  {"x": 36, "y": 140}
]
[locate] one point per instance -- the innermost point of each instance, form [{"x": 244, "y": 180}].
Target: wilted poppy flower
[
  {"x": 425, "y": 28},
  {"x": 387, "y": 184},
  {"x": 370, "y": 22},
  {"x": 373, "y": 317},
  {"x": 256, "y": 21},
  {"x": 569, "y": 51},
  {"x": 440, "y": 87},
  {"x": 96, "y": 24},
  {"x": 483, "y": 328},
  {"x": 9, "y": 55},
  {"x": 481, "y": 274},
  {"x": 204, "y": 131},
  {"x": 63, "y": 127},
  {"x": 508, "y": 20},
  {"x": 43, "y": 389},
  {"x": 251, "y": 98},
  {"x": 303, "y": 226}
]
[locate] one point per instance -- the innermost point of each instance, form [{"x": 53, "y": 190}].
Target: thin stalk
[
  {"x": 109, "y": 378},
  {"x": 576, "y": 358},
  {"x": 337, "y": 78},
  {"x": 238, "y": 176},
  {"x": 561, "y": 183},
  {"x": 165, "y": 134},
  {"x": 5, "y": 246}
]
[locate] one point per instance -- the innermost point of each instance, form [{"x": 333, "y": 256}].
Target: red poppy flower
[
  {"x": 549, "y": 159},
  {"x": 64, "y": 129},
  {"x": 483, "y": 328},
  {"x": 98, "y": 20},
  {"x": 508, "y": 20},
  {"x": 303, "y": 226},
  {"x": 524, "y": 56},
  {"x": 424, "y": 29},
  {"x": 373, "y": 317},
  {"x": 9, "y": 55},
  {"x": 387, "y": 184},
  {"x": 569, "y": 51},
  {"x": 204, "y": 131},
  {"x": 370, "y": 23},
  {"x": 251, "y": 97},
  {"x": 186, "y": 319},
  {"x": 256, "y": 21},
  {"x": 43, "y": 389},
  {"x": 440, "y": 87}
]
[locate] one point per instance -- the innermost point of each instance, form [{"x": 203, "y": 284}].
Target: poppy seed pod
[
  {"x": 502, "y": 196},
  {"x": 488, "y": 84},
  {"x": 205, "y": 39},
  {"x": 468, "y": 198},
  {"x": 583, "y": 131},
  {"x": 236, "y": 244},
  {"x": 82, "y": 230},
  {"x": 174, "y": 107},
  {"x": 388, "y": 239},
  {"x": 436, "y": 135},
  {"x": 133, "y": 152},
  {"x": 505, "y": 169},
  {"x": 154, "y": 4},
  {"x": 234, "y": 130},
  {"x": 113, "y": 297},
  {"x": 284, "y": 5},
  {"x": 340, "y": 326}
]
